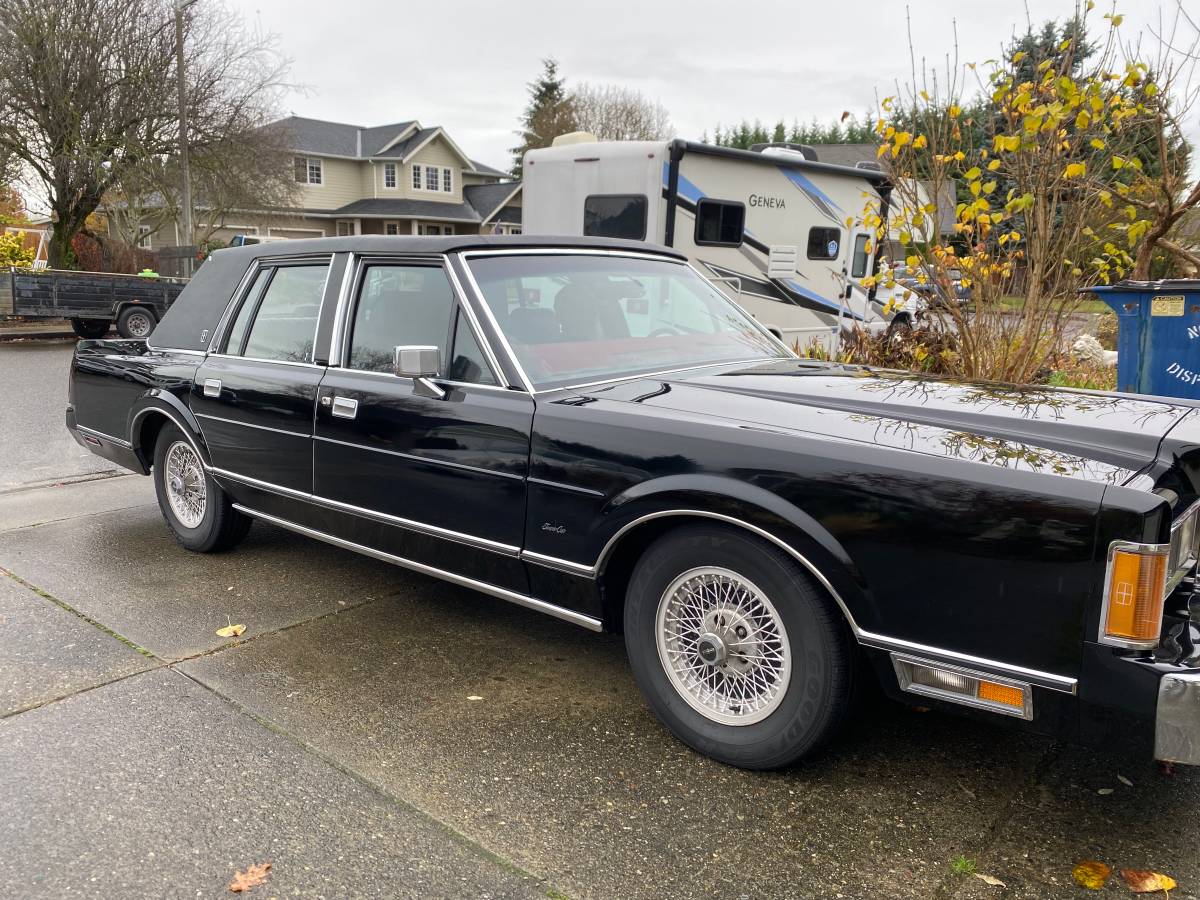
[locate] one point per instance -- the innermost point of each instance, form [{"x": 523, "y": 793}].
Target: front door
[
  {"x": 254, "y": 397},
  {"x": 437, "y": 480}
]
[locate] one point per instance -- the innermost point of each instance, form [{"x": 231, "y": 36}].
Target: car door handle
[
  {"x": 345, "y": 408},
  {"x": 212, "y": 387}
]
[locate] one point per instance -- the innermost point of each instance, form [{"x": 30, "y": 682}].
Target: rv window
[
  {"x": 615, "y": 215},
  {"x": 720, "y": 223},
  {"x": 824, "y": 243},
  {"x": 862, "y": 259}
]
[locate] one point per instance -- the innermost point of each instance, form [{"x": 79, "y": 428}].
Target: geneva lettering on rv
[{"x": 769, "y": 202}]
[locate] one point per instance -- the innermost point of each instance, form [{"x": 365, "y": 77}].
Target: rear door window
[{"x": 278, "y": 319}]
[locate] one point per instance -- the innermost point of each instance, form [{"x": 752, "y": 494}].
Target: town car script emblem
[{"x": 557, "y": 529}]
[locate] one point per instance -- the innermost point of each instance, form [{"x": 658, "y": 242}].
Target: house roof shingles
[
  {"x": 353, "y": 141},
  {"x": 487, "y": 198}
]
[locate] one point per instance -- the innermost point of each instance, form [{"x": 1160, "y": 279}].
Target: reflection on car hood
[{"x": 1094, "y": 436}]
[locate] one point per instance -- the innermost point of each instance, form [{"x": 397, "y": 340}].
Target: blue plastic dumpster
[{"x": 1158, "y": 344}]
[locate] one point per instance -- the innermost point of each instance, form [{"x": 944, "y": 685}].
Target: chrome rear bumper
[{"x": 1177, "y": 723}]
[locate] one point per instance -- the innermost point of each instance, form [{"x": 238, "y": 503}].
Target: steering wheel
[{"x": 668, "y": 331}]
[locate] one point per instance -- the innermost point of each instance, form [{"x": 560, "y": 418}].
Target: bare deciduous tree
[
  {"x": 615, "y": 113},
  {"x": 88, "y": 93}
]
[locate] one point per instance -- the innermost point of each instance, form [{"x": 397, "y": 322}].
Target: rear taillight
[{"x": 1134, "y": 592}]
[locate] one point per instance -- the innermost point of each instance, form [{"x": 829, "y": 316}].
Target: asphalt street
[{"x": 378, "y": 733}]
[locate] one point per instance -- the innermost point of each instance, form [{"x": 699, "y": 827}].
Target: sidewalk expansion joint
[
  {"x": 62, "y": 604},
  {"x": 51, "y": 701},
  {"x": 67, "y": 481},
  {"x": 449, "y": 830}
]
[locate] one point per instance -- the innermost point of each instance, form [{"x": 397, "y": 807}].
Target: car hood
[{"x": 1082, "y": 434}]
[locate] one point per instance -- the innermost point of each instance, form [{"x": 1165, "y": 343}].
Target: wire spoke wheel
[
  {"x": 187, "y": 491},
  {"x": 723, "y": 646}
]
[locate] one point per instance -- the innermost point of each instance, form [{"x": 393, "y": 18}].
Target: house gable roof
[{"x": 488, "y": 199}]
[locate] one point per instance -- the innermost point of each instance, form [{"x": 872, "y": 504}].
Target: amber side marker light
[
  {"x": 1134, "y": 595},
  {"x": 958, "y": 685}
]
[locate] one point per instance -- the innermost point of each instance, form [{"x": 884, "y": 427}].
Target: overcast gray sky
[{"x": 465, "y": 65}]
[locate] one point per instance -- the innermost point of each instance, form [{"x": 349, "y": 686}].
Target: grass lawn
[{"x": 1086, "y": 305}]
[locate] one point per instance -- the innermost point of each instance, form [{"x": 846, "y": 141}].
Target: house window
[
  {"x": 720, "y": 223},
  {"x": 448, "y": 180},
  {"x": 431, "y": 178},
  {"x": 307, "y": 171},
  {"x": 416, "y": 177},
  {"x": 143, "y": 240},
  {"x": 615, "y": 215},
  {"x": 389, "y": 175},
  {"x": 345, "y": 229},
  {"x": 391, "y": 227},
  {"x": 824, "y": 243}
]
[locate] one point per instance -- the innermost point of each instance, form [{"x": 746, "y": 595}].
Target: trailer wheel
[
  {"x": 90, "y": 328},
  {"x": 135, "y": 322}
]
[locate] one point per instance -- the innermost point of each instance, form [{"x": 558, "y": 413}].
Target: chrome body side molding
[{"x": 550, "y": 609}]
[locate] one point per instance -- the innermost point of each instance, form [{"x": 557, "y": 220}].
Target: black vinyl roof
[
  {"x": 374, "y": 243},
  {"x": 193, "y": 317}
]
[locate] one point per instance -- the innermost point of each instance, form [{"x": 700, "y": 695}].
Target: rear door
[
  {"x": 254, "y": 397},
  {"x": 440, "y": 481}
]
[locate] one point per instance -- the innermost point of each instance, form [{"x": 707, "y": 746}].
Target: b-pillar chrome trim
[{"x": 567, "y": 615}]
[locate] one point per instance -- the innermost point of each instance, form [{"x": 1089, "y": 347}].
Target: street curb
[{"x": 10, "y": 336}]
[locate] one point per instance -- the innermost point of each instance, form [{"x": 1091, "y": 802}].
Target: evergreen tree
[{"x": 548, "y": 114}]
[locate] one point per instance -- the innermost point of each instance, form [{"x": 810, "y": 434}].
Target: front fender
[{"x": 741, "y": 505}]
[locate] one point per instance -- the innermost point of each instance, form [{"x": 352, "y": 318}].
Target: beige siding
[
  {"x": 436, "y": 153},
  {"x": 469, "y": 180},
  {"x": 342, "y": 184}
]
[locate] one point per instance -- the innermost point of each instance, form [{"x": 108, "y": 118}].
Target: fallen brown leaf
[
  {"x": 1141, "y": 881},
  {"x": 251, "y": 878},
  {"x": 988, "y": 879},
  {"x": 231, "y": 631},
  {"x": 1091, "y": 874}
]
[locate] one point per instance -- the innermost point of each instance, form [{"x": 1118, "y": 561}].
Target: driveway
[{"x": 377, "y": 733}]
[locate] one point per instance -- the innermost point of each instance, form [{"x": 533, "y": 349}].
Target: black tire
[
  {"x": 221, "y": 527},
  {"x": 136, "y": 323},
  {"x": 90, "y": 328},
  {"x": 815, "y": 701}
]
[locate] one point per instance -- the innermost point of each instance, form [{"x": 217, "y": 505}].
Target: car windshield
[{"x": 572, "y": 319}]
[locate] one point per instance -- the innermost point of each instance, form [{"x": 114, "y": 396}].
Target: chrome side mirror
[{"x": 420, "y": 363}]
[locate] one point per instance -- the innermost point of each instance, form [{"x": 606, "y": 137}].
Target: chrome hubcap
[
  {"x": 187, "y": 493},
  {"x": 723, "y": 646}
]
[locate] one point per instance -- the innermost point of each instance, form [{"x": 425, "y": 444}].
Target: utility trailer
[
  {"x": 91, "y": 300},
  {"x": 774, "y": 226}
]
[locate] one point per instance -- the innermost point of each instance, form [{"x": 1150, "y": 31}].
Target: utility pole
[{"x": 185, "y": 229}]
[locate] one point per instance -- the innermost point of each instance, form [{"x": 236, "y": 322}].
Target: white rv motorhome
[{"x": 771, "y": 226}]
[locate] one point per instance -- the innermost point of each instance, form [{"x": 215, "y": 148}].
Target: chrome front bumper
[{"x": 1177, "y": 724}]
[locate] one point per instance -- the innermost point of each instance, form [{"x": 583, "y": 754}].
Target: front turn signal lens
[{"x": 1133, "y": 607}]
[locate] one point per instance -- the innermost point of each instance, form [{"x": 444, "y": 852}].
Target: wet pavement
[{"x": 378, "y": 733}]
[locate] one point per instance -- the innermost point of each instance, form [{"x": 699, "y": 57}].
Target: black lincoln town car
[{"x": 588, "y": 428}]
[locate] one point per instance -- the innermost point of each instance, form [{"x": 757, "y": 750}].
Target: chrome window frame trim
[
  {"x": 345, "y": 292},
  {"x": 459, "y": 537},
  {"x": 559, "y": 612},
  {"x": 259, "y": 359},
  {"x": 239, "y": 297},
  {"x": 298, "y": 434},
  {"x": 477, "y": 294},
  {"x": 441, "y": 381},
  {"x": 473, "y": 323},
  {"x": 418, "y": 458}
]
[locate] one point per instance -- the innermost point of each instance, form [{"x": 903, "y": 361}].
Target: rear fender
[{"x": 149, "y": 413}]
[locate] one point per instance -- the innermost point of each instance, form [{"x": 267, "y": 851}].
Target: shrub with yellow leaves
[{"x": 1042, "y": 194}]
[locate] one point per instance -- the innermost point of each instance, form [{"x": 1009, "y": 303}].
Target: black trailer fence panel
[{"x": 91, "y": 300}]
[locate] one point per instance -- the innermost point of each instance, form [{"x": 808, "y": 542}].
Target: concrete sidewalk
[{"x": 378, "y": 733}]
